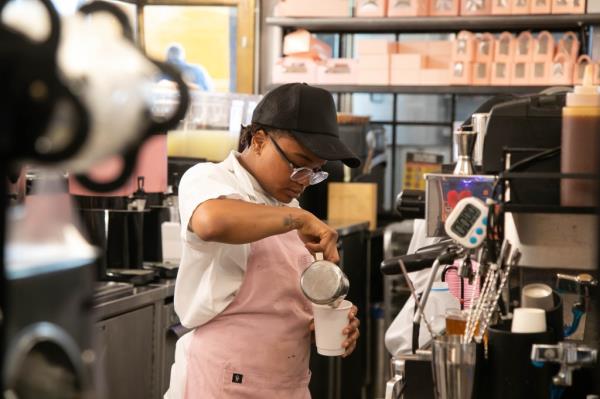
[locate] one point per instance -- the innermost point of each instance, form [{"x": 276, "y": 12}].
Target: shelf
[
  {"x": 473, "y": 90},
  {"x": 556, "y": 209},
  {"x": 438, "y": 24}
]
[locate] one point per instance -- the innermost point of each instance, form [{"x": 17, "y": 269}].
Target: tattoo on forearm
[{"x": 291, "y": 222}]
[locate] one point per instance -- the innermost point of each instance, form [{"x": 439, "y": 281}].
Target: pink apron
[{"x": 259, "y": 346}]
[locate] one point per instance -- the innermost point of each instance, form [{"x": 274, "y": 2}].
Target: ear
[{"x": 259, "y": 141}]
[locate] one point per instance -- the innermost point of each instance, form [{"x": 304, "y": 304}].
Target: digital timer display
[{"x": 465, "y": 220}]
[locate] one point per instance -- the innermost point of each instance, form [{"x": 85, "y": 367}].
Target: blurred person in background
[{"x": 193, "y": 74}]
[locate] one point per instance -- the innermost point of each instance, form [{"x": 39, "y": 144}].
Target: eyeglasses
[{"x": 300, "y": 174}]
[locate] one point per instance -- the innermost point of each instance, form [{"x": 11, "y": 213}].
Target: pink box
[
  {"x": 374, "y": 76},
  {"x": 501, "y": 7},
  {"x": 371, "y": 8},
  {"x": 568, "y": 7},
  {"x": 524, "y": 46},
  {"x": 338, "y": 71},
  {"x": 409, "y": 8},
  {"x": 463, "y": 47},
  {"x": 370, "y": 47},
  {"x": 540, "y": 72},
  {"x": 482, "y": 73},
  {"x": 561, "y": 72},
  {"x": 484, "y": 47},
  {"x": 151, "y": 163},
  {"x": 461, "y": 73},
  {"x": 476, "y": 7},
  {"x": 406, "y": 61},
  {"x": 504, "y": 50},
  {"x": 541, "y": 6},
  {"x": 313, "y": 8},
  {"x": 544, "y": 47},
  {"x": 374, "y": 61},
  {"x": 521, "y": 6},
  {"x": 521, "y": 73},
  {"x": 569, "y": 45},
  {"x": 290, "y": 70},
  {"x": 440, "y": 47},
  {"x": 405, "y": 77},
  {"x": 501, "y": 73},
  {"x": 448, "y": 8},
  {"x": 435, "y": 71},
  {"x": 301, "y": 43},
  {"x": 579, "y": 69}
]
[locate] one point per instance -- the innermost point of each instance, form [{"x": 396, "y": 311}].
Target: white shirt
[{"x": 211, "y": 273}]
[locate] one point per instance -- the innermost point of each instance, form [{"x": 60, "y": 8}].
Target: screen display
[{"x": 465, "y": 220}]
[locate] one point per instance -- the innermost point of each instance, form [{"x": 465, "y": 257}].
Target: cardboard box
[
  {"x": 482, "y": 73},
  {"x": 313, "y": 8},
  {"x": 381, "y": 61},
  {"x": 521, "y": 6},
  {"x": 338, "y": 71},
  {"x": 540, "y": 73},
  {"x": 569, "y": 45},
  {"x": 301, "y": 43},
  {"x": 504, "y": 50},
  {"x": 544, "y": 47},
  {"x": 521, "y": 73},
  {"x": 579, "y": 69},
  {"x": 463, "y": 47},
  {"x": 541, "y": 6},
  {"x": 597, "y": 73},
  {"x": 484, "y": 47},
  {"x": 524, "y": 46},
  {"x": 502, "y": 7},
  {"x": 374, "y": 76},
  {"x": 410, "y": 8},
  {"x": 561, "y": 72},
  {"x": 290, "y": 70},
  {"x": 448, "y": 8},
  {"x": 375, "y": 47},
  {"x": 371, "y": 8},
  {"x": 476, "y": 7},
  {"x": 568, "y": 6},
  {"x": 352, "y": 202},
  {"x": 461, "y": 73},
  {"x": 405, "y": 76},
  {"x": 435, "y": 71},
  {"x": 501, "y": 71},
  {"x": 593, "y": 6}
]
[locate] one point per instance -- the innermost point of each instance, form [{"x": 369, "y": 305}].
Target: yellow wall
[{"x": 202, "y": 30}]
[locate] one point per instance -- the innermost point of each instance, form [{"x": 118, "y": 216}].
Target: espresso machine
[
  {"x": 507, "y": 178},
  {"x": 126, "y": 224}
]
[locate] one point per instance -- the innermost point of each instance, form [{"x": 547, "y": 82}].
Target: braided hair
[{"x": 248, "y": 131}]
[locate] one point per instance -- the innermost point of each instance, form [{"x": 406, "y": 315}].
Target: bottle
[{"x": 581, "y": 143}]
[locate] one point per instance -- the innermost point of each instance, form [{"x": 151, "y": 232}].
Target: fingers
[
  {"x": 353, "y": 312},
  {"x": 353, "y": 333}
]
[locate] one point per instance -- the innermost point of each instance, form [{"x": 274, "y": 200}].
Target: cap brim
[{"x": 327, "y": 147}]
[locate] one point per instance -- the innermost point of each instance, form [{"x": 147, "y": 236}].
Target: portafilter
[{"x": 324, "y": 283}]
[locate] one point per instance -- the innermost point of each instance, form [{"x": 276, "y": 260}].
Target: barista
[{"x": 245, "y": 244}]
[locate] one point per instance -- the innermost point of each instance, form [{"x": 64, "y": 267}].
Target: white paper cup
[
  {"x": 528, "y": 320},
  {"x": 537, "y": 296},
  {"x": 329, "y": 324}
]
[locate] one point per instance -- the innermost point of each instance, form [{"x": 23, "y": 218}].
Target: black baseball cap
[{"x": 309, "y": 114}]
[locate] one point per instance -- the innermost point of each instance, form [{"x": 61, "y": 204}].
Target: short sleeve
[{"x": 199, "y": 184}]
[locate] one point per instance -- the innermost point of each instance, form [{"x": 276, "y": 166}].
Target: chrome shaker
[
  {"x": 324, "y": 283},
  {"x": 464, "y": 139}
]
